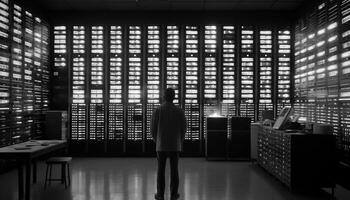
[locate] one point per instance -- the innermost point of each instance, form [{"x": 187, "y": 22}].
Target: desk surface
[{"x": 31, "y": 148}]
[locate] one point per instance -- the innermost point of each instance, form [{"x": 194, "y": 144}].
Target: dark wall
[
  {"x": 33, "y": 7},
  {"x": 178, "y": 17}
]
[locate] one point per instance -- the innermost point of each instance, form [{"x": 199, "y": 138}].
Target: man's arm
[{"x": 154, "y": 124}]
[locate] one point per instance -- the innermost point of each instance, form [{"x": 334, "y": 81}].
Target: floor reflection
[{"x": 135, "y": 179}]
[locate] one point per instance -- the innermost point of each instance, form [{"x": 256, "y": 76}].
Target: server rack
[
  {"x": 345, "y": 42},
  {"x": 96, "y": 120},
  {"x": 311, "y": 67},
  {"x": 45, "y": 76},
  {"x": 17, "y": 73},
  {"x": 332, "y": 62},
  {"x": 61, "y": 68},
  {"x": 116, "y": 128},
  {"x": 20, "y": 74},
  {"x": 344, "y": 80},
  {"x": 28, "y": 74},
  {"x": 5, "y": 136},
  {"x": 16, "y": 95},
  {"x": 153, "y": 81},
  {"x": 79, "y": 82},
  {"x": 134, "y": 76},
  {"x": 210, "y": 76},
  {"x": 265, "y": 72},
  {"x": 247, "y": 73},
  {"x": 229, "y": 71},
  {"x": 78, "y": 106},
  {"x": 299, "y": 78},
  {"x": 172, "y": 71},
  {"x": 321, "y": 57},
  {"x": 284, "y": 69},
  {"x": 38, "y": 117},
  {"x": 320, "y": 73},
  {"x": 191, "y": 89}
]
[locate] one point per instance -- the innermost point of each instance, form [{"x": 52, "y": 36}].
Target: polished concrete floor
[{"x": 135, "y": 178}]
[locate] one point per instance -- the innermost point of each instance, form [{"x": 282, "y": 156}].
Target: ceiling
[{"x": 164, "y": 5}]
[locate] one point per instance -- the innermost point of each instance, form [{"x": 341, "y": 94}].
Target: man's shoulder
[{"x": 169, "y": 106}]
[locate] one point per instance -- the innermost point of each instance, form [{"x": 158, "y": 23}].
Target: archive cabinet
[
  {"x": 300, "y": 161},
  {"x": 239, "y": 138},
  {"x": 216, "y": 138}
]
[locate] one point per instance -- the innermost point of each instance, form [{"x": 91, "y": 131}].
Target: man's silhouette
[{"x": 168, "y": 131}]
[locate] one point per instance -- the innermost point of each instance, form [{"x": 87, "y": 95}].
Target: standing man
[{"x": 168, "y": 130}]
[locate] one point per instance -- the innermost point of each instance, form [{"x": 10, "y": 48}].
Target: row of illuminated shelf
[
  {"x": 191, "y": 61},
  {"x": 322, "y": 67},
  {"x": 322, "y": 51},
  {"x": 24, "y": 73},
  {"x": 129, "y": 70}
]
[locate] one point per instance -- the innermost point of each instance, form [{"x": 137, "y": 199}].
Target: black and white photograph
[{"x": 174, "y": 99}]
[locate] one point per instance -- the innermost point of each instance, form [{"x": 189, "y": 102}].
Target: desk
[{"x": 25, "y": 154}]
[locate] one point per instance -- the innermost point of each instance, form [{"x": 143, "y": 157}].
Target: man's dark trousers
[{"x": 174, "y": 171}]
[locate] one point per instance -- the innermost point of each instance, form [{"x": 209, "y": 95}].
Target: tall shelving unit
[
  {"x": 23, "y": 73},
  {"x": 119, "y": 72},
  {"x": 322, "y": 68},
  {"x": 153, "y": 80},
  {"x": 116, "y": 127},
  {"x": 191, "y": 87},
  {"x": 135, "y": 99}
]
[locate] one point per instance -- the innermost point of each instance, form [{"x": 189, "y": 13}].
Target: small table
[{"x": 26, "y": 153}]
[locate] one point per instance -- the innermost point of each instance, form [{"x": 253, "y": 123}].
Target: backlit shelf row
[
  {"x": 24, "y": 74},
  {"x": 322, "y": 68},
  {"x": 119, "y": 71}
]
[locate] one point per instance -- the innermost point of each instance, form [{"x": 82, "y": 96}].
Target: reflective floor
[{"x": 135, "y": 178}]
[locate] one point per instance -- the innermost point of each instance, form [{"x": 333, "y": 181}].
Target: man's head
[{"x": 169, "y": 95}]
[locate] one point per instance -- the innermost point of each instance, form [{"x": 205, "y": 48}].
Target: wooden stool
[{"x": 64, "y": 162}]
